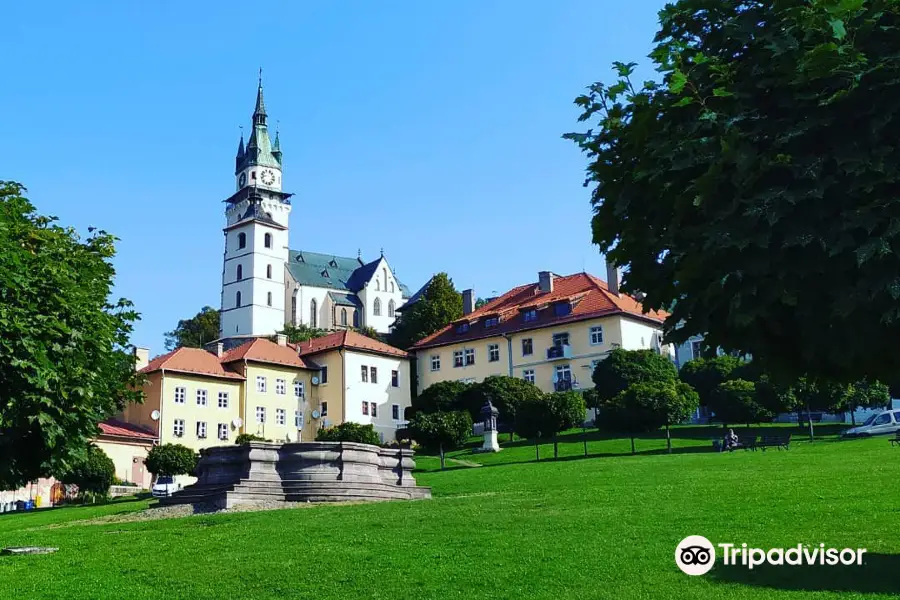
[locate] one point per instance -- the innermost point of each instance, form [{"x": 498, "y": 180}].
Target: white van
[
  {"x": 164, "y": 486},
  {"x": 885, "y": 422}
]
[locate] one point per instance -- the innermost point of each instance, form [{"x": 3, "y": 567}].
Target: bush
[
  {"x": 171, "y": 459},
  {"x": 246, "y": 438},
  {"x": 93, "y": 474},
  {"x": 349, "y": 432}
]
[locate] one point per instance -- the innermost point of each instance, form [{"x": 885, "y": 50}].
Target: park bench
[
  {"x": 896, "y": 439},
  {"x": 774, "y": 441},
  {"x": 743, "y": 443}
]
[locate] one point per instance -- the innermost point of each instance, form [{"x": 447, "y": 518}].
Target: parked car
[
  {"x": 164, "y": 486},
  {"x": 885, "y": 422}
]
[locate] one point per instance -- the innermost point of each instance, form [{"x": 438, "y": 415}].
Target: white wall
[
  {"x": 640, "y": 336},
  {"x": 383, "y": 394},
  {"x": 379, "y": 286}
]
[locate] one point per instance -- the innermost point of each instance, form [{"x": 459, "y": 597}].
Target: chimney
[
  {"x": 281, "y": 339},
  {"x": 468, "y": 301},
  {"x": 612, "y": 278},
  {"x": 545, "y": 281},
  {"x": 141, "y": 358},
  {"x": 217, "y": 348}
]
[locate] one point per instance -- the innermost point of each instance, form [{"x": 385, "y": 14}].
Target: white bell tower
[{"x": 256, "y": 237}]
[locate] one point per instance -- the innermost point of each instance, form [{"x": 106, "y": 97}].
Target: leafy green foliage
[
  {"x": 65, "y": 360},
  {"x": 705, "y": 374},
  {"x": 246, "y": 438},
  {"x": 349, "y": 432},
  {"x": 753, "y": 190},
  {"x": 865, "y": 394},
  {"x": 93, "y": 474},
  {"x": 171, "y": 459},
  {"x": 200, "y": 329},
  {"x": 505, "y": 392},
  {"x": 301, "y": 333},
  {"x": 438, "y": 306},
  {"x": 647, "y": 406},
  {"x": 443, "y": 396},
  {"x": 622, "y": 368},
  {"x": 735, "y": 401},
  {"x": 440, "y": 431},
  {"x": 548, "y": 414}
]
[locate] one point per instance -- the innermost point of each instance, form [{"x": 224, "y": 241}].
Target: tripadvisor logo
[{"x": 696, "y": 555}]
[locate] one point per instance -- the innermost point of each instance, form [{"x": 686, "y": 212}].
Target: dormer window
[
  {"x": 530, "y": 315},
  {"x": 491, "y": 322},
  {"x": 561, "y": 309},
  {"x": 462, "y": 328}
]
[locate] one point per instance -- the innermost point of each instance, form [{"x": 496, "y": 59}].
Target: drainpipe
[{"x": 509, "y": 352}]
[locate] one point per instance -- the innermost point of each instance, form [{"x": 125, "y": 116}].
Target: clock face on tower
[{"x": 268, "y": 177}]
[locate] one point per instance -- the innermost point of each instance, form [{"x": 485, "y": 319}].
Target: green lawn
[{"x": 601, "y": 527}]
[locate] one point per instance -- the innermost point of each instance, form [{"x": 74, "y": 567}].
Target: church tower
[{"x": 256, "y": 236}]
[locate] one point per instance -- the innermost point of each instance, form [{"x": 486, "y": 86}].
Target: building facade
[
  {"x": 551, "y": 333},
  {"x": 265, "y": 285}
]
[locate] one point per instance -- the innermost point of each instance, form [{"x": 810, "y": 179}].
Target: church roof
[
  {"x": 333, "y": 272},
  {"x": 344, "y": 299}
]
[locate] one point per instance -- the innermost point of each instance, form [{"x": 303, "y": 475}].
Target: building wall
[
  {"x": 330, "y": 393},
  {"x": 382, "y": 393},
  {"x": 123, "y": 455},
  {"x": 139, "y": 414},
  {"x": 272, "y": 401},
  {"x": 305, "y": 295}
]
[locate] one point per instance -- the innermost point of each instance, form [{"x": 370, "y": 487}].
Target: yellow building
[{"x": 551, "y": 333}]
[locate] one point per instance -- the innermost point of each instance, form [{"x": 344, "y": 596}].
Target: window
[
  {"x": 435, "y": 362},
  {"x": 240, "y": 272},
  {"x": 392, "y": 287},
  {"x": 376, "y": 307},
  {"x": 395, "y": 378},
  {"x": 391, "y": 308},
  {"x": 180, "y": 394},
  {"x": 530, "y": 315},
  {"x": 324, "y": 377},
  {"x": 527, "y": 347},
  {"x": 294, "y": 308},
  {"x": 313, "y": 317},
  {"x": 260, "y": 383},
  {"x": 695, "y": 348},
  {"x": 596, "y": 335},
  {"x": 493, "y": 352},
  {"x": 563, "y": 373},
  {"x": 458, "y": 358},
  {"x": 373, "y": 408},
  {"x": 462, "y": 328},
  {"x": 365, "y": 407},
  {"x": 298, "y": 419},
  {"x": 269, "y": 298},
  {"x": 280, "y": 416},
  {"x": 298, "y": 389},
  {"x": 470, "y": 356},
  {"x": 237, "y": 300},
  {"x": 201, "y": 430},
  {"x": 562, "y": 309},
  {"x": 492, "y": 322},
  {"x": 528, "y": 375},
  {"x": 267, "y": 240},
  {"x": 344, "y": 317},
  {"x": 223, "y": 431},
  {"x": 260, "y": 414},
  {"x": 242, "y": 240},
  {"x": 223, "y": 399},
  {"x": 324, "y": 412},
  {"x": 377, "y": 285},
  {"x": 178, "y": 428},
  {"x": 374, "y": 373},
  {"x": 269, "y": 271},
  {"x": 201, "y": 397},
  {"x": 253, "y": 175},
  {"x": 560, "y": 339},
  {"x": 280, "y": 387},
  {"x": 365, "y": 374},
  {"x": 883, "y": 419}
]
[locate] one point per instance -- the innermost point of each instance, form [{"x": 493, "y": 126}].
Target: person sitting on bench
[{"x": 731, "y": 440}]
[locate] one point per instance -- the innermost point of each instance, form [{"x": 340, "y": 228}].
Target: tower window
[
  {"x": 253, "y": 175},
  {"x": 269, "y": 271},
  {"x": 240, "y": 271},
  {"x": 269, "y": 298},
  {"x": 268, "y": 240},
  {"x": 242, "y": 240},
  {"x": 376, "y": 307},
  {"x": 237, "y": 299}
]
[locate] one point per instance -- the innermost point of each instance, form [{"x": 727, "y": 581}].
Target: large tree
[
  {"x": 754, "y": 189},
  {"x": 736, "y": 401},
  {"x": 65, "y": 362},
  {"x": 441, "y": 431},
  {"x": 622, "y": 368},
  {"x": 439, "y": 305},
  {"x": 200, "y": 329},
  {"x": 546, "y": 415},
  {"x": 504, "y": 392},
  {"x": 443, "y": 396},
  {"x": 705, "y": 374}
]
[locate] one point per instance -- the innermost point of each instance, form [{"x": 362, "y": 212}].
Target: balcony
[
  {"x": 558, "y": 352},
  {"x": 563, "y": 385}
]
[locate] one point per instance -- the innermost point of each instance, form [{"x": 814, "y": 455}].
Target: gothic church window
[
  {"x": 392, "y": 287},
  {"x": 344, "y": 317},
  {"x": 391, "y": 308},
  {"x": 377, "y": 285},
  {"x": 313, "y": 317},
  {"x": 376, "y": 307},
  {"x": 242, "y": 240}
]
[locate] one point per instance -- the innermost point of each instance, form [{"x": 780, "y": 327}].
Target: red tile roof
[
  {"x": 266, "y": 351},
  {"x": 348, "y": 339},
  {"x": 191, "y": 360},
  {"x": 125, "y": 430},
  {"x": 589, "y": 296}
]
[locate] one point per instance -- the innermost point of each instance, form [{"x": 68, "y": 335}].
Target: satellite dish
[
  {"x": 315, "y": 380},
  {"x": 237, "y": 422},
  {"x": 315, "y": 414},
  {"x": 155, "y": 415}
]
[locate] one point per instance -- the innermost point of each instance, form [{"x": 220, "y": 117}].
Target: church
[{"x": 265, "y": 284}]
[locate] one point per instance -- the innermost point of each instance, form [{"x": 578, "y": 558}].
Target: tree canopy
[
  {"x": 171, "y": 459},
  {"x": 301, "y": 333},
  {"x": 504, "y": 392},
  {"x": 65, "y": 359},
  {"x": 705, "y": 374},
  {"x": 443, "y": 396},
  {"x": 753, "y": 190},
  {"x": 548, "y": 414},
  {"x": 735, "y": 401},
  {"x": 622, "y": 368},
  {"x": 93, "y": 474},
  {"x": 438, "y": 306},
  {"x": 200, "y": 329},
  {"x": 441, "y": 431},
  {"x": 349, "y": 431}
]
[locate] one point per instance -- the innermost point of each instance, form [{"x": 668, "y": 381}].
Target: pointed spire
[
  {"x": 240, "y": 151},
  {"x": 259, "y": 113}
]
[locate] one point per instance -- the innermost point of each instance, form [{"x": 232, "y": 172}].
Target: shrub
[
  {"x": 93, "y": 474},
  {"x": 246, "y": 438},
  {"x": 171, "y": 459},
  {"x": 349, "y": 432}
]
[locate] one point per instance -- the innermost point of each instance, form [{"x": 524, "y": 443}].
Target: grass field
[{"x": 600, "y": 527}]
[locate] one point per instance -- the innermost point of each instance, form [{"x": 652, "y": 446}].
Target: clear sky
[{"x": 431, "y": 129}]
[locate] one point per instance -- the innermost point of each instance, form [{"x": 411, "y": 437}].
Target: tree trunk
[
  {"x": 441, "y": 447},
  {"x": 632, "y": 445},
  {"x": 853, "y": 416},
  {"x": 555, "y": 447},
  {"x": 584, "y": 439},
  {"x": 537, "y": 450},
  {"x": 809, "y": 418},
  {"x": 668, "y": 440}
]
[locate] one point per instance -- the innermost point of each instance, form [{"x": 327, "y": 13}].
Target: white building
[{"x": 265, "y": 285}]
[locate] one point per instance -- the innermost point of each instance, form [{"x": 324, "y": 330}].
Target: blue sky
[{"x": 431, "y": 129}]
